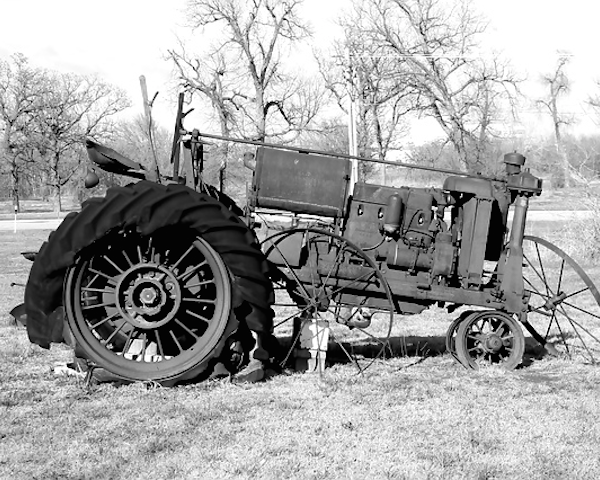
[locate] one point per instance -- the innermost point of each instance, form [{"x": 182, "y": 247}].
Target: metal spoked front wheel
[
  {"x": 564, "y": 304},
  {"x": 490, "y": 337}
]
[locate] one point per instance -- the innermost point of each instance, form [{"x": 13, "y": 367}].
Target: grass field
[{"x": 415, "y": 416}]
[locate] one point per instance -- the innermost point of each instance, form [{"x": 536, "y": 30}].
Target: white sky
[{"x": 122, "y": 39}]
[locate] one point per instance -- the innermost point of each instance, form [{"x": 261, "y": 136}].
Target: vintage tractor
[{"x": 165, "y": 279}]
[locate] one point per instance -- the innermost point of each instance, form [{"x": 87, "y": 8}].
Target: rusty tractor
[{"x": 166, "y": 280}]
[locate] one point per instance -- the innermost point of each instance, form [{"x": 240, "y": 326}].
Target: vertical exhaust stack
[{"x": 522, "y": 185}]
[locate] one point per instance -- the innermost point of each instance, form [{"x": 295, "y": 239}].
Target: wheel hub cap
[
  {"x": 148, "y": 295},
  {"x": 493, "y": 343}
]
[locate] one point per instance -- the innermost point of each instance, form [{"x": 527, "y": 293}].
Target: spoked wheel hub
[{"x": 148, "y": 296}]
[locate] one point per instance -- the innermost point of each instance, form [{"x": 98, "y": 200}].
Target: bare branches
[
  {"x": 594, "y": 101},
  {"x": 45, "y": 116},
  {"x": 435, "y": 45},
  {"x": 241, "y": 74},
  {"x": 557, "y": 83},
  {"x": 20, "y": 91},
  {"x": 558, "y": 86}
]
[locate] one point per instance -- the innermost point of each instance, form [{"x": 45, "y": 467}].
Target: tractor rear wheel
[{"x": 161, "y": 276}]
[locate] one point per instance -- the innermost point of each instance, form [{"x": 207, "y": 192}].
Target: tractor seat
[{"x": 109, "y": 160}]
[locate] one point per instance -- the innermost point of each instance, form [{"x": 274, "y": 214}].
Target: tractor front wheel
[{"x": 489, "y": 337}]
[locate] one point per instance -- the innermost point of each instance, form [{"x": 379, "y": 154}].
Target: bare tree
[
  {"x": 74, "y": 107},
  {"x": 21, "y": 88},
  {"x": 360, "y": 73},
  {"x": 558, "y": 85},
  {"x": 594, "y": 101},
  {"x": 436, "y": 44},
  {"x": 243, "y": 73}
]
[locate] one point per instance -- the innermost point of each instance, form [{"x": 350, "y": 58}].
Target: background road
[
  {"x": 51, "y": 224},
  {"x": 27, "y": 224}
]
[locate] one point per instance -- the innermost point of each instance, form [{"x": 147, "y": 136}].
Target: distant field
[
  {"x": 557, "y": 199},
  {"x": 415, "y": 416}
]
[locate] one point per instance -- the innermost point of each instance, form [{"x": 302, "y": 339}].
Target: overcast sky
[{"x": 121, "y": 39}]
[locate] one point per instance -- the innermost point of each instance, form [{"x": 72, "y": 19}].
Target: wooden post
[{"x": 148, "y": 115}]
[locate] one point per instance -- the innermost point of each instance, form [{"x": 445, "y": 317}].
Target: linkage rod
[{"x": 349, "y": 157}]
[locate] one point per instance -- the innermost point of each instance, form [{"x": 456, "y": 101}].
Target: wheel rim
[
  {"x": 359, "y": 331},
  {"x": 146, "y": 307},
  {"x": 564, "y": 303},
  {"x": 452, "y": 332},
  {"x": 490, "y": 338}
]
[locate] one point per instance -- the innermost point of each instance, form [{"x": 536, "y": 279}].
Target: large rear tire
[{"x": 157, "y": 280}]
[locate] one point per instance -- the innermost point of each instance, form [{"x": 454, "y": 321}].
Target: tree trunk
[
  {"x": 11, "y": 159},
  {"x": 55, "y": 183}
]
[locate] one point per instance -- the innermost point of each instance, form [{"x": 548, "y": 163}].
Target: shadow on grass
[{"x": 410, "y": 346}]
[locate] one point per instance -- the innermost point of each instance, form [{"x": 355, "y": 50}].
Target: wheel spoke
[
  {"x": 161, "y": 351},
  {"x": 570, "y": 295},
  {"x": 210, "y": 301},
  {"x": 334, "y": 265},
  {"x": 198, "y": 284},
  {"x": 539, "y": 276},
  {"x": 587, "y": 312},
  {"x": 543, "y": 277},
  {"x": 176, "y": 341},
  {"x": 197, "y": 315},
  {"x": 101, "y": 322},
  {"x": 127, "y": 259},
  {"x": 108, "y": 278},
  {"x": 176, "y": 264},
  {"x": 98, "y": 305},
  {"x": 191, "y": 272},
  {"x": 129, "y": 340},
  {"x": 553, "y": 320},
  {"x": 577, "y": 333},
  {"x": 94, "y": 278},
  {"x": 295, "y": 314},
  {"x": 575, "y": 324},
  {"x": 151, "y": 250},
  {"x": 352, "y": 282},
  {"x": 350, "y": 357},
  {"x": 116, "y": 267},
  {"x": 114, "y": 333},
  {"x": 98, "y": 290},
  {"x": 182, "y": 325}
]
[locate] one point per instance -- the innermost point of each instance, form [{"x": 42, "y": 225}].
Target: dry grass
[{"x": 410, "y": 417}]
